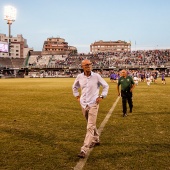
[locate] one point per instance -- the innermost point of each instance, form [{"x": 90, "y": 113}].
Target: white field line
[{"x": 82, "y": 162}]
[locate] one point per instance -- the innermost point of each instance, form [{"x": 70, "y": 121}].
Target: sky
[{"x": 144, "y": 23}]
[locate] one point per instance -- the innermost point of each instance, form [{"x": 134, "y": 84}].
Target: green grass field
[{"x": 42, "y": 127}]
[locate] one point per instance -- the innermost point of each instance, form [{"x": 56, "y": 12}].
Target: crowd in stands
[
  {"x": 104, "y": 63},
  {"x": 151, "y": 58}
]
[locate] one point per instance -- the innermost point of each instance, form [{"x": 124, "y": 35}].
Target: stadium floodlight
[{"x": 9, "y": 15}]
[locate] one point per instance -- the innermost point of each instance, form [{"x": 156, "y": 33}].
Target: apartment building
[
  {"x": 110, "y": 46},
  {"x": 57, "y": 45},
  {"x": 18, "y": 46}
]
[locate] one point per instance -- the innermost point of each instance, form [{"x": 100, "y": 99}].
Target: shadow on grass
[
  {"x": 150, "y": 113},
  {"x": 60, "y": 143},
  {"x": 138, "y": 149},
  {"x": 32, "y": 136},
  {"x": 135, "y": 113}
]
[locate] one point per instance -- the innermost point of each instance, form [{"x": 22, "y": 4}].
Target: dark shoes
[
  {"x": 124, "y": 114},
  {"x": 81, "y": 154},
  {"x": 93, "y": 144}
]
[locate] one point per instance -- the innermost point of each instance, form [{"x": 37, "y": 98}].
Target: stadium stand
[
  {"x": 55, "y": 65},
  {"x": 5, "y": 62},
  {"x": 18, "y": 62}
]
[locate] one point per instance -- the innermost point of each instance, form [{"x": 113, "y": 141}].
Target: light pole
[{"x": 10, "y": 16}]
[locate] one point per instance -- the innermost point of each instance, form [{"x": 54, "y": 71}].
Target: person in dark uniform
[
  {"x": 163, "y": 78},
  {"x": 155, "y": 76},
  {"x": 127, "y": 86}
]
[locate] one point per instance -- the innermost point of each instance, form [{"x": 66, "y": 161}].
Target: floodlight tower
[{"x": 9, "y": 15}]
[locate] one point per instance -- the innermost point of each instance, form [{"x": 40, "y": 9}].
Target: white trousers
[{"x": 92, "y": 135}]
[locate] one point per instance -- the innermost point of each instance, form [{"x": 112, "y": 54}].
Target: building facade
[
  {"x": 57, "y": 45},
  {"x": 18, "y": 46},
  {"x": 110, "y": 46},
  {"x": 72, "y": 49}
]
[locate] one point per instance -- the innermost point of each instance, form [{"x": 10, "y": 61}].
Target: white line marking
[{"x": 82, "y": 162}]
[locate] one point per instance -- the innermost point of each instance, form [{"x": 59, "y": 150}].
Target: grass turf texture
[{"x": 42, "y": 127}]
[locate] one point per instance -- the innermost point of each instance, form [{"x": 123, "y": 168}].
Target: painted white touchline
[{"x": 82, "y": 162}]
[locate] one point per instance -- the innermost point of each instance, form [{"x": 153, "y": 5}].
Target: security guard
[{"x": 127, "y": 85}]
